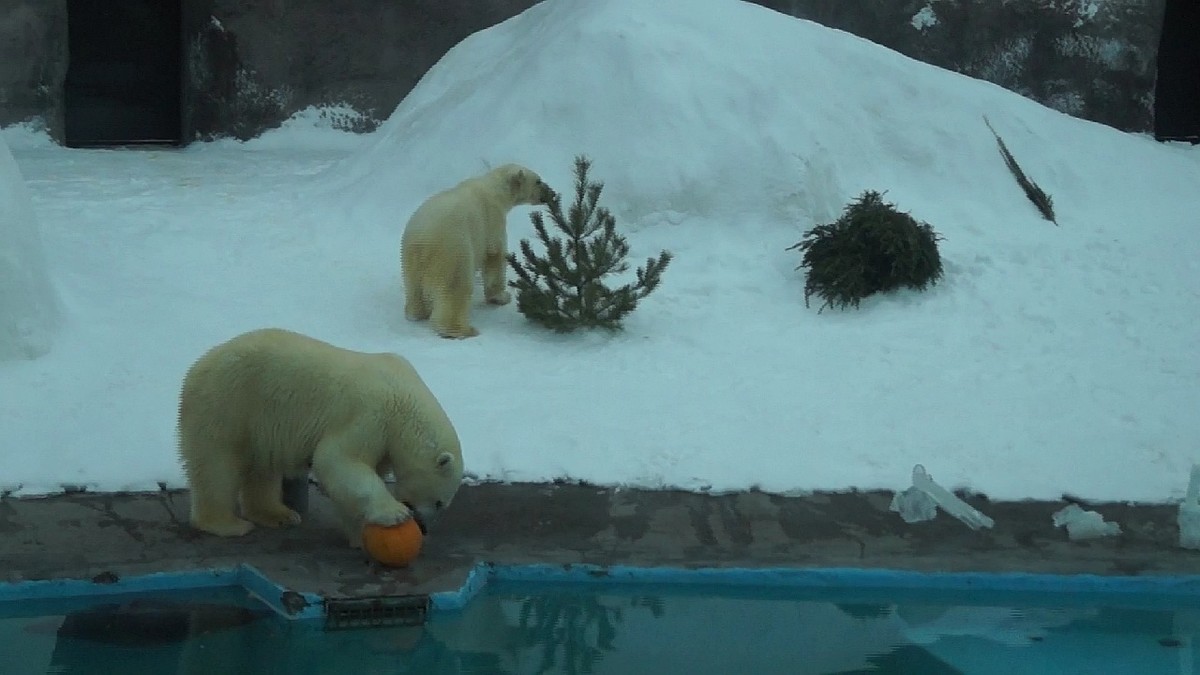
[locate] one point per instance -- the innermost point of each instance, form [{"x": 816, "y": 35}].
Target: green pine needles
[
  {"x": 564, "y": 289},
  {"x": 872, "y": 247}
]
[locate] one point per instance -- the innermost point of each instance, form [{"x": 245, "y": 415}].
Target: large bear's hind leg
[
  {"x": 214, "y": 482},
  {"x": 262, "y": 501}
]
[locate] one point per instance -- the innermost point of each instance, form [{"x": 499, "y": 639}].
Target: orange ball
[{"x": 394, "y": 545}]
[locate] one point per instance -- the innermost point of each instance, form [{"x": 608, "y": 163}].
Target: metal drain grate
[{"x": 391, "y": 610}]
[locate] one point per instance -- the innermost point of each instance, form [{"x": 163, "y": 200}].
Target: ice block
[
  {"x": 1082, "y": 524},
  {"x": 1189, "y": 513},
  {"x": 948, "y": 501}
]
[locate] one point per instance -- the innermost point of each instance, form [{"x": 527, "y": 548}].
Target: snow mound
[
  {"x": 29, "y": 309},
  {"x": 694, "y": 107}
]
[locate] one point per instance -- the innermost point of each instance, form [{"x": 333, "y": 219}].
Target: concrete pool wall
[{"x": 103, "y": 538}]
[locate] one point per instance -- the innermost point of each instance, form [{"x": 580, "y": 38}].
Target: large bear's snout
[
  {"x": 417, "y": 517},
  {"x": 546, "y": 193}
]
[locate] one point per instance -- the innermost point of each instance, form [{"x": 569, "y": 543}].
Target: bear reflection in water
[
  {"x": 153, "y": 636},
  {"x": 148, "y": 623},
  {"x": 154, "y": 622}
]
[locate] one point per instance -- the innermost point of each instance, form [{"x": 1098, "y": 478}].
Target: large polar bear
[
  {"x": 269, "y": 403},
  {"x": 456, "y": 233}
]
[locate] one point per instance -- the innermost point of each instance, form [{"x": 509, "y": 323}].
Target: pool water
[{"x": 625, "y": 628}]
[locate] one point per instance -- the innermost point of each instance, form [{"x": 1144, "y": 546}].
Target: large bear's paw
[
  {"x": 387, "y": 514},
  {"x": 234, "y": 527},
  {"x": 280, "y": 516}
]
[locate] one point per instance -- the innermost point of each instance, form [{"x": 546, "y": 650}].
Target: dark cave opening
[
  {"x": 1177, "y": 87},
  {"x": 124, "y": 80}
]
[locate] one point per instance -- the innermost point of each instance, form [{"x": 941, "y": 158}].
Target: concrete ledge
[{"x": 103, "y": 538}]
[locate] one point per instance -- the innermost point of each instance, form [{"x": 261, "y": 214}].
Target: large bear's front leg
[
  {"x": 494, "y": 286},
  {"x": 353, "y": 485}
]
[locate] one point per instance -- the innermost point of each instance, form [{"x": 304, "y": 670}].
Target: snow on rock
[
  {"x": 29, "y": 305},
  {"x": 924, "y": 18}
]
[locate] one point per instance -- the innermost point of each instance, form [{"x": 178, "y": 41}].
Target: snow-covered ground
[{"x": 1049, "y": 360}]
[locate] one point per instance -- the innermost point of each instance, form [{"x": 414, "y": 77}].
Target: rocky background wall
[
  {"x": 250, "y": 64},
  {"x": 1094, "y": 59},
  {"x": 33, "y": 61}
]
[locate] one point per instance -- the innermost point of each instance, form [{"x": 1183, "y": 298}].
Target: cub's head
[
  {"x": 428, "y": 484},
  {"x": 525, "y": 186}
]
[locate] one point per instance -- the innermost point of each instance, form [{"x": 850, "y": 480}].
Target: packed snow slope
[
  {"x": 1049, "y": 360},
  {"x": 729, "y": 110}
]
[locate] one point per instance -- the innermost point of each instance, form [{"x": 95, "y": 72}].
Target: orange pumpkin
[{"x": 395, "y": 545}]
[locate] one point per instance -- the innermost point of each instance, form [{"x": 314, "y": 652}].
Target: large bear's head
[
  {"x": 525, "y": 186},
  {"x": 428, "y": 483}
]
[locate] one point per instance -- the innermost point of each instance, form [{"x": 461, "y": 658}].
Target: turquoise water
[{"x": 619, "y": 628}]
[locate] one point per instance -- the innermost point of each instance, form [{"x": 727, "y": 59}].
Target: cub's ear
[
  {"x": 516, "y": 182},
  {"x": 444, "y": 461}
]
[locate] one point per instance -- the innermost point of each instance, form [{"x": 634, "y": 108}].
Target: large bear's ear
[
  {"x": 516, "y": 182},
  {"x": 444, "y": 461}
]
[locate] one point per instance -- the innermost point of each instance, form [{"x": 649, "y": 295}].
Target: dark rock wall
[
  {"x": 1094, "y": 59},
  {"x": 33, "y": 61},
  {"x": 250, "y": 64}
]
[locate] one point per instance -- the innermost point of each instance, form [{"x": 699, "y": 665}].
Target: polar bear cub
[
  {"x": 270, "y": 403},
  {"x": 456, "y": 233}
]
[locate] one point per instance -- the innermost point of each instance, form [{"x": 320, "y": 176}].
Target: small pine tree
[{"x": 564, "y": 289}]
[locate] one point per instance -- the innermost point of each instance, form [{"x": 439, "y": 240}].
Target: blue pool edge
[
  {"x": 294, "y": 605},
  {"x": 287, "y": 603}
]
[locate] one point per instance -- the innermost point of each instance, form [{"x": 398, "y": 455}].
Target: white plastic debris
[
  {"x": 1189, "y": 513},
  {"x": 1082, "y": 524},
  {"x": 918, "y": 502}
]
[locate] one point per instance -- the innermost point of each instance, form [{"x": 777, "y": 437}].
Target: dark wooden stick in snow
[{"x": 1040, "y": 199}]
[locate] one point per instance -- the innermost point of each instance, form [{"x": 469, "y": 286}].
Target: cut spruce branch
[{"x": 1040, "y": 199}]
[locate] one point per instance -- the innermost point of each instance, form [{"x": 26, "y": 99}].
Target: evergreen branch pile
[
  {"x": 871, "y": 247},
  {"x": 564, "y": 289},
  {"x": 1040, "y": 199}
]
